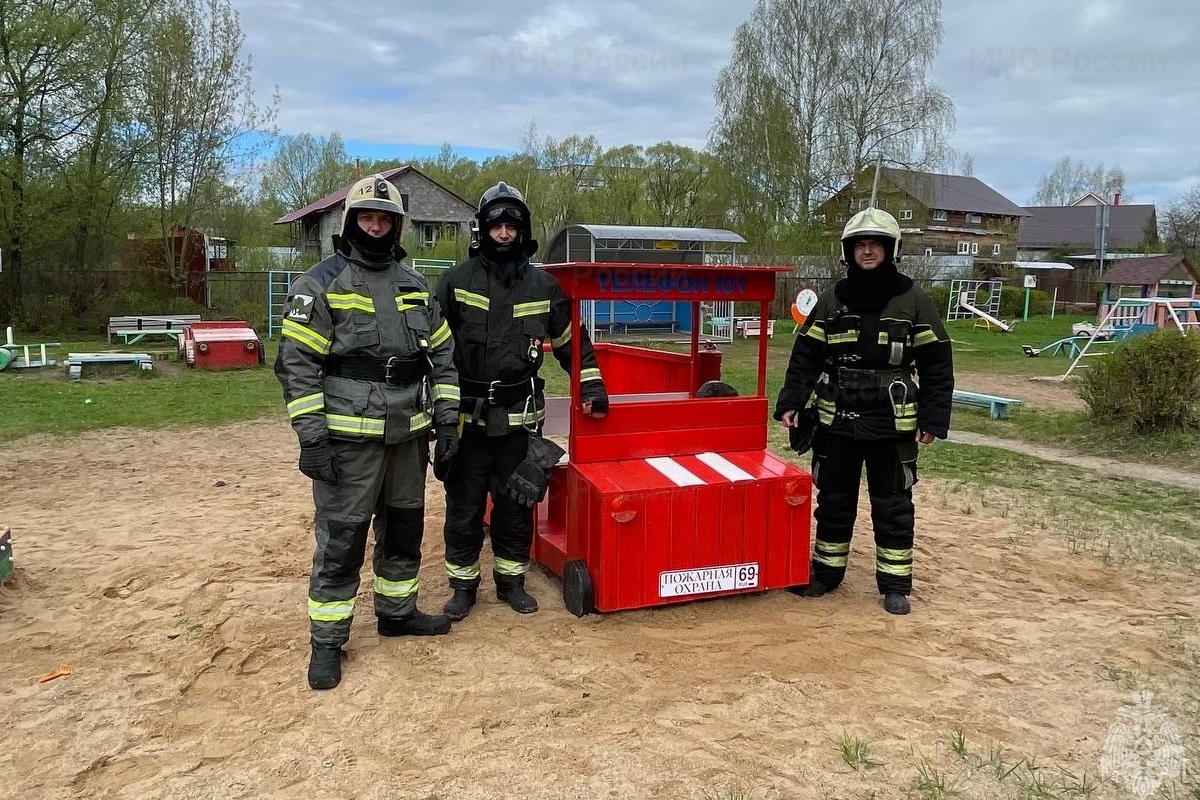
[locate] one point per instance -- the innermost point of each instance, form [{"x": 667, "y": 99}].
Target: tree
[
  {"x": 305, "y": 168},
  {"x": 884, "y": 105},
  {"x": 101, "y": 176},
  {"x": 197, "y": 107},
  {"x": 616, "y": 194},
  {"x": 1181, "y": 224},
  {"x": 816, "y": 90},
  {"x": 1071, "y": 179},
  {"x": 43, "y": 66},
  {"x": 677, "y": 187},
  {"x": 956, "y": 162},
  {"x": 562, "y": 175}
]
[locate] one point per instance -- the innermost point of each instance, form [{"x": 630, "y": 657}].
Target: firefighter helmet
[
  {"x": 373, "y": 193},
  {"x": 872, "y": 223},
  {"x": 503, "y": 203}
]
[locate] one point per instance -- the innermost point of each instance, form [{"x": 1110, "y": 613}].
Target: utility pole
[
  {"x": 875, "y": 183},
  {"x": 1102, "y": 215}
]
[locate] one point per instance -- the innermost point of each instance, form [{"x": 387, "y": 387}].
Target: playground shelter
[{"x": 639, "y": 244}]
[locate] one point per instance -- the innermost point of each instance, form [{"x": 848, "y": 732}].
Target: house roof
[
  {"x": 1053, "y": 226},
  {"x": 661, "y": 233},
  {"x": 953, "y": 192},
  {"x": 338, "y": 197},
  {"x": 1144, "y": 271}
]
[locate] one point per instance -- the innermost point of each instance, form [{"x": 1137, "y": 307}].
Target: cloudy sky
[{"x": 1107, "y": 81}]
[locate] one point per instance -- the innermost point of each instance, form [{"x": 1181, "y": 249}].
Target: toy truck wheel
[{"x": 578, "y": 594}]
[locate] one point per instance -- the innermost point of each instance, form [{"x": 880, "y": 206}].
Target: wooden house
[
  {"x": 950, "y": 221},
  {"x": 434, "y": 213},
  {"x": 1072, "y": 233}
]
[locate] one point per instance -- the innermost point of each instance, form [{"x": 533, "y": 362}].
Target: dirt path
[
  {"x": 1059, "y": 397},
  {"x": 1107, "y": 466}
]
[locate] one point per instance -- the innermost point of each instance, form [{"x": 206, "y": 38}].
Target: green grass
[
  {"x": 855, "y": 752},
  {"x": 46, "y": 401},
  {"x": 981, "y": 350},
  {"x": 41, "y": 401}
]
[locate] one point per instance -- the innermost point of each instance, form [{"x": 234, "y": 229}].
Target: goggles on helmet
[{"x": 503, "y": 212}]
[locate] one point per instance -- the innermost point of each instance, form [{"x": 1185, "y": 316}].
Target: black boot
[
  {"x": 325, "y": 667},
  {"x": 814, "y": 589},
  {"x": 458, "y": 606},
  {"x": 511, "y": 589},
  {"x": 418, "y": 623},
  {"x": 896, "y": 603}
]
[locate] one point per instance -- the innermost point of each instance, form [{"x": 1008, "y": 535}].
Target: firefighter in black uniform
[
  {"x": 367, "y": 366},
  {"x": 501, "y": 310},
  {"x": 876, "y": 354}
]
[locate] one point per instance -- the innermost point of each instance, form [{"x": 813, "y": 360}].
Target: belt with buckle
[{"x": 394, "y": 371}]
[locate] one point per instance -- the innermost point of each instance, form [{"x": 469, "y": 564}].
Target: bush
[
  {"x": 1150, "y": 382},
  {"x": 1012, "y": 301},
  {"x": 940, "y": 295}
]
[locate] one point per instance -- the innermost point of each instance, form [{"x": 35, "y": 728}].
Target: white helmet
[{"x": 871, "y": 223}]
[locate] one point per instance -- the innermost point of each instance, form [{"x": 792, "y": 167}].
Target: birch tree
[
  {"x": 198, "y": 107},
  {"x": 1071, "y": 179},
  {"x": 817, "y": 89}
]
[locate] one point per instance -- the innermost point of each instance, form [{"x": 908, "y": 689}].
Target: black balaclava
[
  {"x": 870, "y": 289},
  {"x": 374, "y": 249},
  {"x": 506, "y": 258}
]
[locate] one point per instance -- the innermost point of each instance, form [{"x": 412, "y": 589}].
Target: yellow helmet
[
  {"x": 373, "y": 193},
  {"x": 872, "y": 223}
]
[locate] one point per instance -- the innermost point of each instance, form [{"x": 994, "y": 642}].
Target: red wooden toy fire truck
[
  {"x": 670, "y": 497},
  {"x": 224, "y": 344}
]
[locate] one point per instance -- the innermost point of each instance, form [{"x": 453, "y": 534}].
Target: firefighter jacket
[
  {"x": 499, "y": 328},
  {"x": 876, "y": 375},
  {"x": 365, "y": 354}
]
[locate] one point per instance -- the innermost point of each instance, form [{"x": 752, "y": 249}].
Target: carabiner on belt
[
  {"x": 529, "y": 412},
  {"x": 898, "y": 408}
]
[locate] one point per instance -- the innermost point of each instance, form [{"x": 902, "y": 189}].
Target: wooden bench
[
  {"x": 997, "y": 406},
  {"x": 20, "y": 355},
  {"x": 752, "y": 326},
  {"x": 75, "y": 361},
  {"x": 134, "y": 329}
]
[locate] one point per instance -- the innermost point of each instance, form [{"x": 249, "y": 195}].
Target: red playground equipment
[
  {"x": 672, "y": 496},
  {"x": 225, "y": 344}
]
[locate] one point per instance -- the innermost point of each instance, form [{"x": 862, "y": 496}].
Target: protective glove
[
  {"x": 800, "y": 438},
  {"x": 527, "y": 485},
  {"x": 444, "y": 450},
  {"x": 600, "y": 405},
  {"x": 318, "y": 460}
]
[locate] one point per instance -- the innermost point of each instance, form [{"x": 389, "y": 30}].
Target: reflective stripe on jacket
[
  {"x": 896, "y": 365},
  {"x": 499, "y": 329},
  {"x": 345, "y": 309}
]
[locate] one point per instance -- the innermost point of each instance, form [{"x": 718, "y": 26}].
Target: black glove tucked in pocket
[
  {"x": 527, "y": 485},
  {"x": 318, "y": 460}
]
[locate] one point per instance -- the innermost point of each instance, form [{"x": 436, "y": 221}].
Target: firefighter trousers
[
  {"x": 385, "y": 483},
  {"x": 891, "y": 467},
  {"x": 482, "y": 467}
]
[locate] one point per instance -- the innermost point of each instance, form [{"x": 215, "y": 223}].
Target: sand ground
[{"x": 169, "y": 569}]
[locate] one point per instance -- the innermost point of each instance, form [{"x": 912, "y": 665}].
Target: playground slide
[{"x": 963, "y": 301}]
